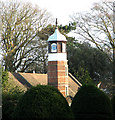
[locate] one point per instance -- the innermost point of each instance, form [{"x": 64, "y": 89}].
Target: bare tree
[
  {"x": 41, "y": 51},
  {"x": 21, "y": 23},
  {"x": 96, "y": 26}
]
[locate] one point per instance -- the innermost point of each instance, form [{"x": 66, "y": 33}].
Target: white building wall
[{"x": 57, "y": 57}]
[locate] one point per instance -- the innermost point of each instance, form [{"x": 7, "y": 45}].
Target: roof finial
[{"x": 56, "y": 22}]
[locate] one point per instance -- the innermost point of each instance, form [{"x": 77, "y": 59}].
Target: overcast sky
[{"x": 62, "y": 9}]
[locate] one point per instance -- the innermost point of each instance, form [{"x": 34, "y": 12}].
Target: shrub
[
  {"x": 9, "y": 102},
  {"x": 10, "y": 96},
  {"x": 42, "y": 102},
  {"x": 113, "y": 106},
  {"x": 4, "y": 77},
  {"x": 91, "y": 103}
]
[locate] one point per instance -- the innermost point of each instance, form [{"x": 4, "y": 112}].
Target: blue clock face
[{"x": 54, "y": 47}]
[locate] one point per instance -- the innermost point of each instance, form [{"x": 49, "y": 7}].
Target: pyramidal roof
[{"x": 57, "y": 36}]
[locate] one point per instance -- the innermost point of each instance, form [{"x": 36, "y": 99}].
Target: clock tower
[{"x": 57, "y": 62}]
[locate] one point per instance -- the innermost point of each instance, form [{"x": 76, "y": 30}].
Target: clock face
[{"x": 53, "y": 47}]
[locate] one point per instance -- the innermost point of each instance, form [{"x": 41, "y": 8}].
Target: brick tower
[{"x": 57, "y": 62}]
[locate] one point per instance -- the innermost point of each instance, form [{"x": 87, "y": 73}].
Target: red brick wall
[{"x": 57, "y": 76}]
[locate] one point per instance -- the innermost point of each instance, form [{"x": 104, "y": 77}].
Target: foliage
[
  {"x": 90, "y": 59},
  {"x": 91, "y": 103},
  {"x": 0, "y": 90},
  {"x": 10, "y": 96},
  {"x": 0, "y": 72},
  {"x": 9, "y": 102},
  {"x": 4, "y": 77},
  {"x": 68, "y": 28},
  {"x": 113, "y": 106},
  {"x": 42, "y": 102},
  {"x": 83, "y": 76}
]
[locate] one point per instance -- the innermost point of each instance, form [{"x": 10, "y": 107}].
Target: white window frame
[{"x": 63, "y": 47}]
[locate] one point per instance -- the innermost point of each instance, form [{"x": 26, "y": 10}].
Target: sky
[{"x": 63, "y": 9}]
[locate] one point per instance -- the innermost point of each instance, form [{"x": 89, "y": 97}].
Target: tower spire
[
  {"x": 57, "y": 61},
  {"x": 56, "y": 22}
]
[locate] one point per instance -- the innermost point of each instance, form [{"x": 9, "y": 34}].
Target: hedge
[
  {"x": 42, "y": 102},
  {"x": 91, "y": 103}
]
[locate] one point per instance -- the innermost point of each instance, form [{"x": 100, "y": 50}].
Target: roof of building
[
  {"x": 26, "y": 80},
  {"x": 57, "y": 36}
]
